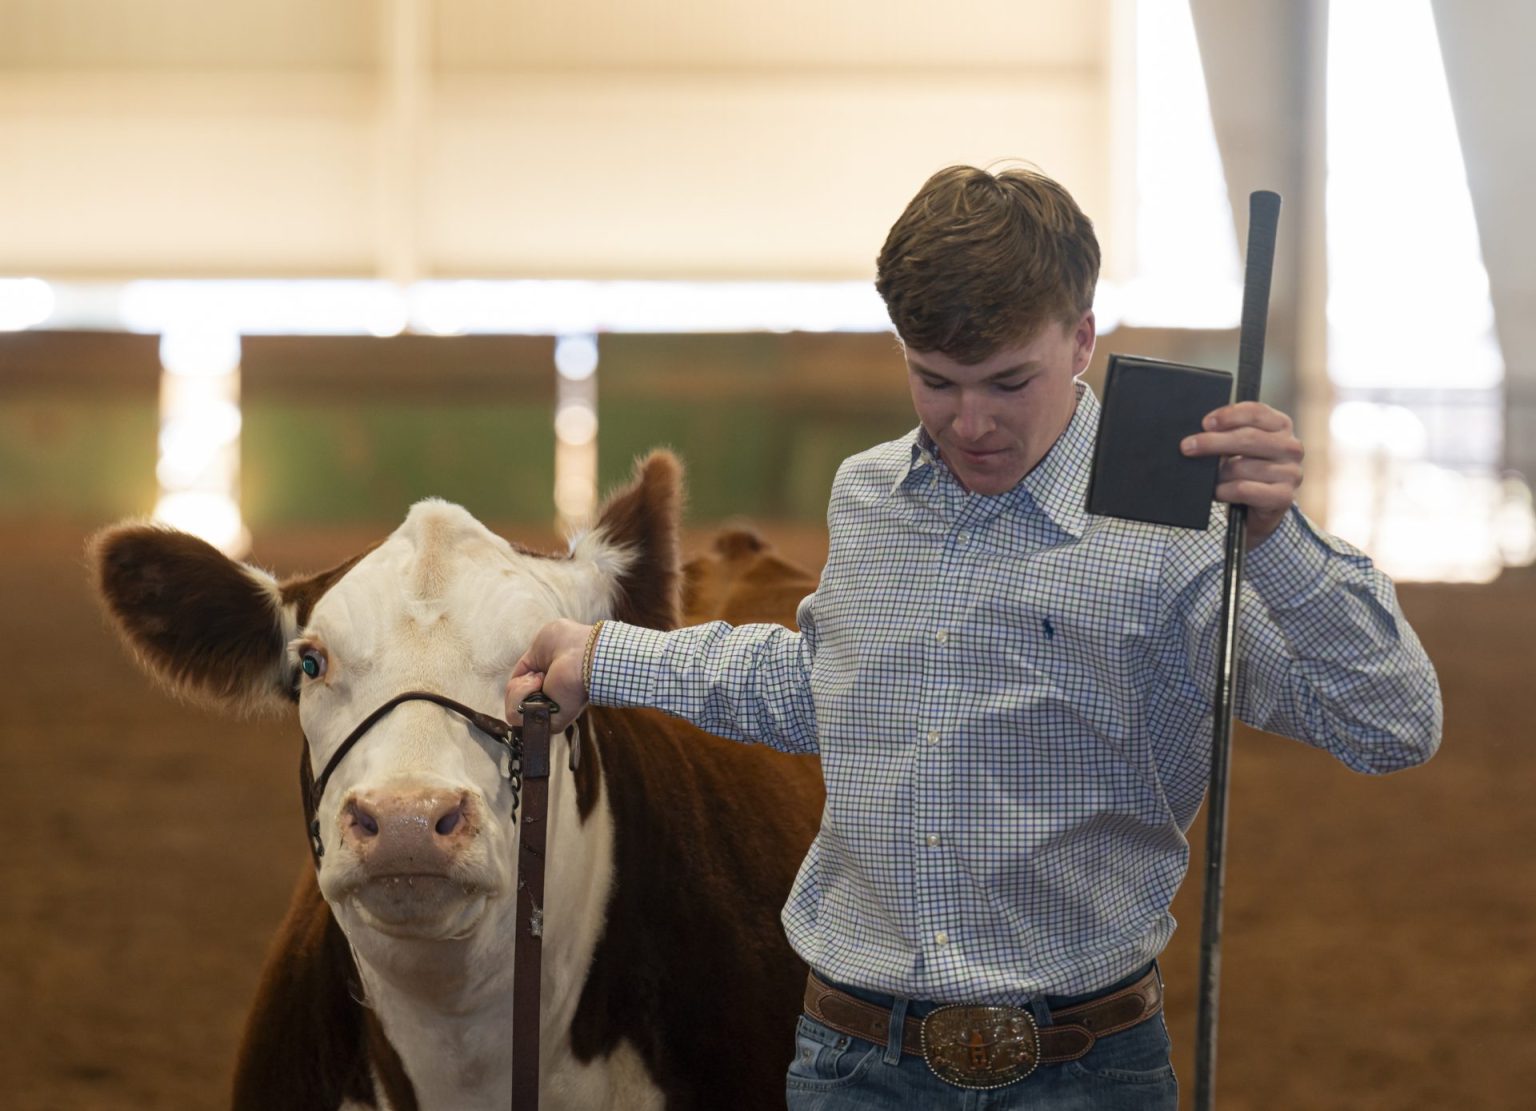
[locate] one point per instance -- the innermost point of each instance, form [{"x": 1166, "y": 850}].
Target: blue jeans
[{"x": 1128, "y": 1071}]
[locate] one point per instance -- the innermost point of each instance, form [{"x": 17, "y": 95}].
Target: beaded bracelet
[{"x": 586, "y": 657}]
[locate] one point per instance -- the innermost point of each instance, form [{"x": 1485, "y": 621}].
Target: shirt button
[
  {"x": 932, "y": 839},
  {"x": 942, "y": 636},
  {"x": 941, "y": 937},
  {"x": 964, "y": 538},
  {"x": 933, "y": 736}
]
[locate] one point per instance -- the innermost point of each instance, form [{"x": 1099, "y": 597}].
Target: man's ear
[{"x": 1084, "y": 337}]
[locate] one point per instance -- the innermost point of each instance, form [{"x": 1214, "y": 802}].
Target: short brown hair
[{"x": 980, "y": 260}]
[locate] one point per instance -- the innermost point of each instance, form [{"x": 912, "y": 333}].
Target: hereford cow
[
  {"x": 741, "y": 579},
  {"x": 666, "y": 978}
]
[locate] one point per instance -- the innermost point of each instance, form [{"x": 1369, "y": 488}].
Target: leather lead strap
[{"x": 536, "y": 710}]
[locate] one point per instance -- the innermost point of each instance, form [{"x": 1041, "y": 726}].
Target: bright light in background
[
  {"x": 192, "y": 442},
  {"x": 544, "y": 308},
  {"x": 307, "y": 307},
  {"x": 1402, "y": 237},
  {"x": 200, "y": 352},
  {"x": 1186, "y": 271},
  {"x": 576, "y": 357},
  {"x": 576, "y": 424},
  {"x": 213, "y": 517},
  {"x": 199, "y": 458},
  {"x": 24, "y": 303},
  {"x": 1416, "y": 441},
  {"x": 575, "y": 430}
]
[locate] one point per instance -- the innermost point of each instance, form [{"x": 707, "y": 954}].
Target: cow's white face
[{"x": 416, "y": 819}]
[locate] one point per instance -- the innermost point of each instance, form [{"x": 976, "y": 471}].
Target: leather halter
[
  {"x": 494, "y": 727},
  {"x": 530, "y": 763}
]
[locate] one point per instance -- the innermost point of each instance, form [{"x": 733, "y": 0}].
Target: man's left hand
[{"x": 1260, "y": 466}]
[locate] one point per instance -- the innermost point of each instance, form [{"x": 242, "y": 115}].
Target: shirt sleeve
[
  {"x": 1325, "y": 654},
  {"x": 745, "y": 683}
]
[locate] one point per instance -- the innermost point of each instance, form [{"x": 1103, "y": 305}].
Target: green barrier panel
[
  {"x": 372, "y": 461},
  {"x": 77, "y": 458}
]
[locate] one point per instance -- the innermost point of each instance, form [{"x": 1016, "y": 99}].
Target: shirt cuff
[
  {"x": 626, "y": 665},
  {"x": 1291, "y": 565}
]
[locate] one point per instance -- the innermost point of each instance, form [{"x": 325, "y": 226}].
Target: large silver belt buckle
[{"x": 981, "y": 1047}]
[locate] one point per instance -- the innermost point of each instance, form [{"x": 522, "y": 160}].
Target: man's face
[{"x": 994, "y": 420}]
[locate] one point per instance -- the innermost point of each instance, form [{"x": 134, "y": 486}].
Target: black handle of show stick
[{"x": 1263, "y": 223}]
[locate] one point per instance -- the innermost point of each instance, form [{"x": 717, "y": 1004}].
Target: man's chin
[{"x": 987, "y": 479}]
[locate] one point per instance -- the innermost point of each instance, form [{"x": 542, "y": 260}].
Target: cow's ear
[
  {"x": 212, "y": 630},
  {"x": 639, "y": 524}
]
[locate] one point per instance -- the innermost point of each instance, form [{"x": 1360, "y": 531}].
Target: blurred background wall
[{"x": 374, "y": 221}]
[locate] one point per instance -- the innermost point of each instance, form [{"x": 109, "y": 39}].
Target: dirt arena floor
[{"x": 1379, "y": 942}]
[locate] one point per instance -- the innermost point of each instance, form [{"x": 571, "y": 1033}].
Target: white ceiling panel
[
  {"x": 585, "y": 138},
  {"x": 186, "y": 175},
  {"x": 695, "y": 177}
]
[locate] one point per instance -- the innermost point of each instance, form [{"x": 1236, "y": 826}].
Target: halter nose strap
[{"x": 493, "y": 727}]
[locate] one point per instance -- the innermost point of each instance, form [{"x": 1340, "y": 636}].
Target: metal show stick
[{"x": 1263, "y": 219}]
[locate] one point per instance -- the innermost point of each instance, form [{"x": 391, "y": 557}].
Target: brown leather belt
[{"x": 1071, "y": 1034}]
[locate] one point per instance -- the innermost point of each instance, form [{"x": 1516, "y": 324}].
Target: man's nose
[{"x": 973, "y": 418}]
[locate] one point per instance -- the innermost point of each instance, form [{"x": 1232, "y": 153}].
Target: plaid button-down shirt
[{"x": 1012, "y": 704}]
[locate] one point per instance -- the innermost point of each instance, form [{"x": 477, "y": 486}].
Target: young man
[{"x": 1012, "y": 699}]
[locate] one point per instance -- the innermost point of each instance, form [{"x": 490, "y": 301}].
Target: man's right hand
[{"x": 552, "y": 664}]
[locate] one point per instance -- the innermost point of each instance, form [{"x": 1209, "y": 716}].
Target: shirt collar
[
  {"x": 1059, "y": 482},
  {"x": 924, "y": 458}
]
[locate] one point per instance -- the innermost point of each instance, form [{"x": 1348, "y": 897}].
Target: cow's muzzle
[{"x": 313, "y": 787}]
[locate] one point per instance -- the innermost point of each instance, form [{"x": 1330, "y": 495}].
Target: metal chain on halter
[{"x": 514, "y": 746}]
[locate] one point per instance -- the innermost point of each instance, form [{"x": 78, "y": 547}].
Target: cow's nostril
[
  {"x": 362, "y": 819},
  {"x": 450, "y": 821}
]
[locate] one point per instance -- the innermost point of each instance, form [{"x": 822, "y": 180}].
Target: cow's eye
[{"x": 312, "y": 661}]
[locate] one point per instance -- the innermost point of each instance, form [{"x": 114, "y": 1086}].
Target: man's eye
[
  {"x": 936, "y": 384},
  {"x": 1012, "y": 387}
]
